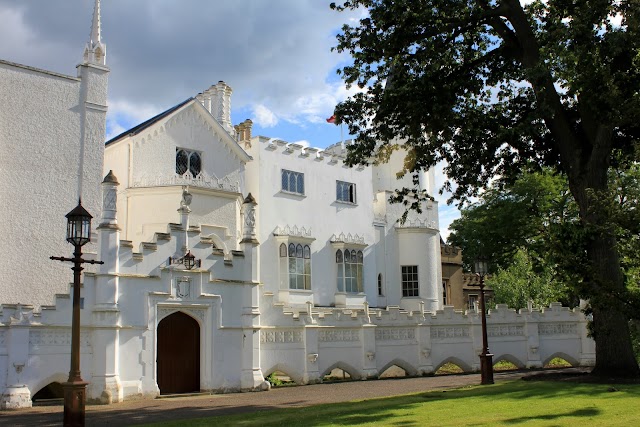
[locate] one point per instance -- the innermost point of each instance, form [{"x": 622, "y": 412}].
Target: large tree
[{"x": 494, "y": 86}]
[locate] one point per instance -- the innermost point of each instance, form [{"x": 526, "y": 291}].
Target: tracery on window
[
  {"x": 345, "y": 192},
  {"x": 298, "y": 265},
  {"x": 188, "y": 160},
  {"x": 292, "y": 182},
  {"x": 349, "y": 270}
]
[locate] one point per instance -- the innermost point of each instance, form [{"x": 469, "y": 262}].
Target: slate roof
[{"x": 142, "y": 126}]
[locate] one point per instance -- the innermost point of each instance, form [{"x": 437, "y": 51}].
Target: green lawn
[{"x": 514, "y": 403}]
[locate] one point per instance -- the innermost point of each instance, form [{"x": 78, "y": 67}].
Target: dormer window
[{"x": 188, "y": 161}]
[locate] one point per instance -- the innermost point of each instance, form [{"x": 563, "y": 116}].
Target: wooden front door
[{"x": 178, "y": 361}]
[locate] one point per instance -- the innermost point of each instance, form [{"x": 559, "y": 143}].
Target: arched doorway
[{"x": 178, "y": 364}]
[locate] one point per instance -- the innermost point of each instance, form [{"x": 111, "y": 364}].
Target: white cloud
[
  {"x": 264, "y": 117},
  {"x": 276, "y": 54},
  {"x": 114, "y": 129},
  {"x": 23, "y": 44},
  {"x": 137, "y": 112}
]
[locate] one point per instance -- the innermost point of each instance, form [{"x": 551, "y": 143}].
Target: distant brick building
[{"x": 459, "y": 289}]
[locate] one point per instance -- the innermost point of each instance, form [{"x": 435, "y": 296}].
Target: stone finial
[
  {"x": 110, "y": 178},
  {"x": 182, "y": 242},
  {"x": 109, "y": 200},
  {"x": 249, "y": 223},
  {"x": 186, "y": 197}
]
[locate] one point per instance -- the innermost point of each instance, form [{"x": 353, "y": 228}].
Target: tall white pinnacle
[
  {"x": 95, "y": 25},
  {"x": 95, "y": 52}
]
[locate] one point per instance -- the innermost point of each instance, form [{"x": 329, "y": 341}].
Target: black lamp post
[
  {"x": 78, "y": 234},
  {"x": 486, "y": 358}
]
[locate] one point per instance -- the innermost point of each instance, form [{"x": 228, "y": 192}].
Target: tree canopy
[
  {"x": 492, "y": 87},
  {"x": 505, "y": 218},
  {"x": 518, "y": 284}
]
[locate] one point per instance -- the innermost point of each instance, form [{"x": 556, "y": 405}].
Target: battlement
[
  {"x": 554, "y": 319},
  {"x": 333, "y": 155}
]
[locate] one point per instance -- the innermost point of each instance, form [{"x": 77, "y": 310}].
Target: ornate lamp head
[
  {"x": 79, "y": 226},
  {"x": 481, "y": 266}
]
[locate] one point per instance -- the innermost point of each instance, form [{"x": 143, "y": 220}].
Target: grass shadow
[{"x": 586, "y": 412}]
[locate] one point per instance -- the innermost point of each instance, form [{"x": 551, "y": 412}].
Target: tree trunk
[{"x": 614, "y": 351}]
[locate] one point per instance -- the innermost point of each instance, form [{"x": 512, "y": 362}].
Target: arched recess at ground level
[
  {"x": 560, "y": 355},
  {"x": 280, "y": 369},
  {"x": 49, "y": 387},
  {"x": 50, "y": 391},
  {"x": 507, "y": 360},
  {"x": 453, "y": 361},
  {"x": 353, "y": 373},
  {"x": 178, "y": 350},
  {"x": 409, "y": 371}
]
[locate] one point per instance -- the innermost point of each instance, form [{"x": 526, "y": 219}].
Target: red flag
[{"x": 331, "y": 119}]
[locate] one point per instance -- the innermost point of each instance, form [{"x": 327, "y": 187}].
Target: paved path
[{"x": 177, "y": 408}]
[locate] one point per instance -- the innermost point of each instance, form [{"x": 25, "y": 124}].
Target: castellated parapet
[{"x": 333, "y": 155}]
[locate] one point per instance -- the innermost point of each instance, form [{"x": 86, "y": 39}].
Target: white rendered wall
[
  {"x": 41, "y": 115},
  {"x": 385, "y": 175},
  {"x": 151, "y": 190},
  {"x": 317, "y": 211},
  {"x": 321, "y": 217}
]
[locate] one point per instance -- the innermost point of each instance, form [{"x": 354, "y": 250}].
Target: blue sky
[{"x": 276, "y": 56}]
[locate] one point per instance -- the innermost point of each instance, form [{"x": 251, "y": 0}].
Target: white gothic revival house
[{"x": 226, "y": 257}]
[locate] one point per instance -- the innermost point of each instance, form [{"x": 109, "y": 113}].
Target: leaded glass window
[
  {"x": 188, "y": 160},
  {"x": 345, "y": 192},
  {"x": 349, "y": 270},
  {"x": 292, "y": 182},
  {"x": 299, "y": 265}
]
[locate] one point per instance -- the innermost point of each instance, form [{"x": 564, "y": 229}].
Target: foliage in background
[
  {"x": 274, "y": 380},
  {"x": 518, "y": 284},
  {"x": 526, "y": 213}
]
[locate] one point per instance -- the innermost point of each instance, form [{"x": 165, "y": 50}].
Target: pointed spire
[
  {"x": 95, "y": 25},
  {"x": 95, "y": 51}
]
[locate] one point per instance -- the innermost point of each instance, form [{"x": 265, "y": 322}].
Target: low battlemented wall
[
  {"x": 305, "y": 345},
  {"x": 364, "y": 346}
]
